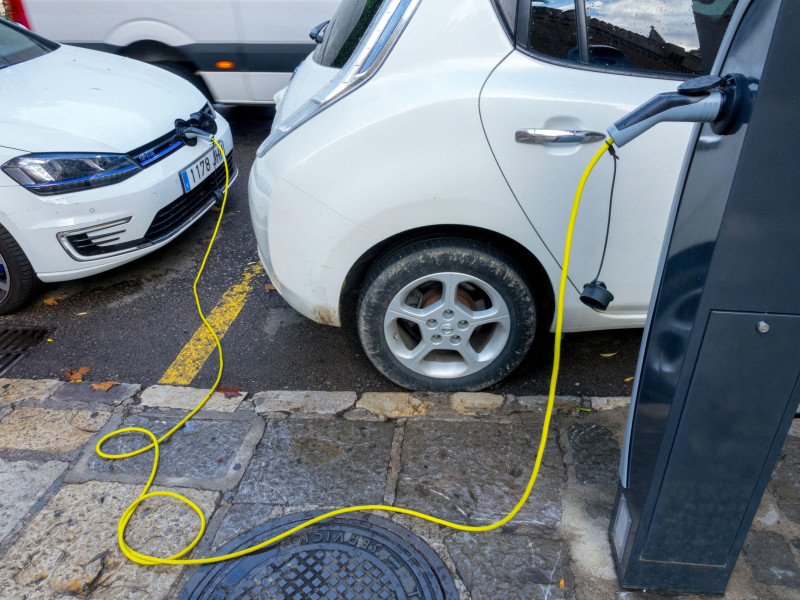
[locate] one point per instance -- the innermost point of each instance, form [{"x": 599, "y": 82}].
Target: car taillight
[{"x": 16, "y": 12}]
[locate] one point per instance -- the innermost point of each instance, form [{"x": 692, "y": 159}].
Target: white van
[
  {"x": 421, "y": 169},
  {"x": 235, "y": 51}
]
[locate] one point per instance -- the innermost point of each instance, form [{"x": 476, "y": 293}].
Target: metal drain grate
[
  {"x": 344, "y": 558},
  {"x": 16, "y": 342}
]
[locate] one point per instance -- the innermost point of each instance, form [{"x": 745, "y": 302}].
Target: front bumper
[
  {"x": 91, "y": 231},
  {"x": 306, "y": 248}
]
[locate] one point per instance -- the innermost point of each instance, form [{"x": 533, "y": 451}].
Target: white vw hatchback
[
  {"x": 93, "y": 170},
  {"x": 423, "y": 161}
]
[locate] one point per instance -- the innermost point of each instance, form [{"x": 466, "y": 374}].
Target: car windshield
[
  {"x": 345, "y": 31},
  {"x": 18, "y": 45}
]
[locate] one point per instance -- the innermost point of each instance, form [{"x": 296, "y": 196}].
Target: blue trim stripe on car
[
  {"x": 82, "y": 178},
  {"x": 160, "y": 154}
]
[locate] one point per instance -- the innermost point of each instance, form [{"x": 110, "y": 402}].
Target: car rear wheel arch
[{"x": 530, "y": 265}]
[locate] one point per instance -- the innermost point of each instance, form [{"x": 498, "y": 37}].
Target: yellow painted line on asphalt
[{"x": 194, "y": 354}]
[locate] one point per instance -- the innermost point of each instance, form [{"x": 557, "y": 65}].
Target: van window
[
  {"x": 666, "y": 36},
  {"x": 17, "y": 46},
  {"x": 345, "y": 31}
]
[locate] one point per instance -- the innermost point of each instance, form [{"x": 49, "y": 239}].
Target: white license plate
[{"x": 200, "y": 169}]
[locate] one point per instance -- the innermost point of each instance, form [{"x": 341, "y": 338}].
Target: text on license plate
[{"x": 198, "y": 171}]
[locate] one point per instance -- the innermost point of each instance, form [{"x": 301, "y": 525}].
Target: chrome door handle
[{"x": 558, "y": 136}]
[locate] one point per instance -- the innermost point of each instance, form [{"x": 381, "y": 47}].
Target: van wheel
[
  {"x": 446, "y": 314},
  {"x": 17, "y": 279},
  {"x": 186, "y": 71}
]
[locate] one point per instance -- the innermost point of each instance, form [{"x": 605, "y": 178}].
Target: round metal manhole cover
[{"x": 363, "y": 557}]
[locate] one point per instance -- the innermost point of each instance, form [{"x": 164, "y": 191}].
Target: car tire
[
  {"x": 17, "y": 278},
  {"x": 446, "y": 314}
]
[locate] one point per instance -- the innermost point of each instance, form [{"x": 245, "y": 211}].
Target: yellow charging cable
[{"x": 146, "y": 559}]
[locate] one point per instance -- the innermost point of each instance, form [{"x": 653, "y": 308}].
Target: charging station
[{"x": 717, "y": 381}]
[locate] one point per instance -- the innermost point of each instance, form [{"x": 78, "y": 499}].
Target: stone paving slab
[
  {"x": 19, "y": 390},
  {"x": 785, "y": 482},
  {"x": 79, "y": 394},
  {"x": 316, "y": 461},
  {"x": 595, "y": 453},
  {"x": 186, "y": 398},
  {"x": 393, "y": 405},
  {"x": 48, "y": 430},
  {"x": 476, "y": 471},
  {"x": 325, "y": 403},
  {"x": 512, "y": 567},
  {"x": 69, "y": 549},
  {"x": 22, "y": 483},
  {"x": 208, "y": 452},
  {"x": 476, "y": 403}
]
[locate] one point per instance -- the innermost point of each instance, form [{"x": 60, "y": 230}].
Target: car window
[
  {"x": 665, "y": 36},
  {"x": 553, "y": 29},
  {"x": 345, "y": 31},
  {"x": 17, "y": 45}
]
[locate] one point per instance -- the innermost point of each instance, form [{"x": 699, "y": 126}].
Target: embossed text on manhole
[{"x": 363, "y": 557}]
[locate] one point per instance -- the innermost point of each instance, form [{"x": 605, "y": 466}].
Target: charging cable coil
[{"x": 176, "y": 559}]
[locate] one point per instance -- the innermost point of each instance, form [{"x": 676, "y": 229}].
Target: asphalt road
[{"x": 130, "y": 324}]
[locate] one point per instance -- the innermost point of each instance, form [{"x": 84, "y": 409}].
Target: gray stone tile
[
  {"x": 476, "y": 471},
  {"x": 207, "y": 452},
  {"x": 325, "y": 403},
  {"x": 498, "y": 566},
  {"x": 22, "y": 483},
  {"x": 770, "y": 557},
  {"x": 786, "y": 479},
  {"x": 240, "y": 519},
  {"x": 595, "y": 453},
  {"x": 82, "y": 392},
  {"x": 316, "y": 461}
]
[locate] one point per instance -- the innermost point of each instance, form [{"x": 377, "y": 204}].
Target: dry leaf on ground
[
  {"x": 628, "y": 379},
  {"x": 77, "y": 374},
  {"x": 269, "y": 287},
  {"x": 105, "y": 386},
  {"x": 52, "y": 301},
  {"x": 230, "y": 392},
  {"x": 608, "y": 355}
]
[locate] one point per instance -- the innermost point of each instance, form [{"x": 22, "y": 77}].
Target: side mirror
[{"x": 318, "y": 33}]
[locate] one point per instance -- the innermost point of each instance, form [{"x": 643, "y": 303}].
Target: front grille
[
  {"x": 166, "y": 222},
  {"x": 172, "y": 216}
]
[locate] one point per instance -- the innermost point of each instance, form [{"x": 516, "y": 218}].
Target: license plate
[{"x": 200, "y": 169}]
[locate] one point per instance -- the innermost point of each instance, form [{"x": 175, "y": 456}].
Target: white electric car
[
  {"x": 93, "y": 171},
  {"x": 423, "y": 161}
]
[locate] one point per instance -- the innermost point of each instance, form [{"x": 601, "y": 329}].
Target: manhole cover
[
  {"x": 15, "y": 342},
  {"x": 343, "y": 558}
]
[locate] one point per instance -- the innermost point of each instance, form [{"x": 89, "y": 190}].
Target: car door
[{"x": 578, "y": 68}]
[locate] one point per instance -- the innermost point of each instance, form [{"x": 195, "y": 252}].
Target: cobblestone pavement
[{"x": 258, "y": 457}]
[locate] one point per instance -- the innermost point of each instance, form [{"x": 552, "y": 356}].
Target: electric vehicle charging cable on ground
[{"x": 704, "y": 99}]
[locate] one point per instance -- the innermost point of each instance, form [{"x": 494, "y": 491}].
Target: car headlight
[{"x": 60, "y": 173}]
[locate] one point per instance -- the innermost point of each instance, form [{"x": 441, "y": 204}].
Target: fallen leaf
[
  {"x": 608, "y": 355},
  {"x": 105, "y": 386},
  {"x": 628, "y": 379},
  {"x": 584, "y": 409},
  {"x": 49, "y": 340},
  {"x": 77, "y": 374},
  {"x": 79, "y": 314},
  {"x": 561, "y": 584},
  {"x": 269, "y": 287},
  {"x": 230, "y": 392},
  {"x": 52, "y": 301}
]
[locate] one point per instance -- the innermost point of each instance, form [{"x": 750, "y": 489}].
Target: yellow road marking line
[{"x": 194, "y": 354}]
